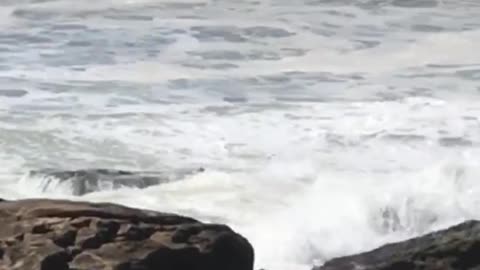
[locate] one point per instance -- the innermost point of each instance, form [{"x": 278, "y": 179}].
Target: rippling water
[{"x": 325, "y": 127}]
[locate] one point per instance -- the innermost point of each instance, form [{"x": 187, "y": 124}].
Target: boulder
[
  {"x": 454, "y": 248},
  {"x": 85, "y": 181},
  {"x": 66, "y": 235}
]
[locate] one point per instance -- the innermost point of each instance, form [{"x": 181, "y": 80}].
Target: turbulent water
[{"x": 325, "y": 127}]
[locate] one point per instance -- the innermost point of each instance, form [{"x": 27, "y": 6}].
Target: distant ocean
[{"x": 325, "y": 127}]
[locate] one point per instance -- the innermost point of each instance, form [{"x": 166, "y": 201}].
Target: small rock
[
  {"x": 65, "y": 239},
  {"x": 57, "y": 261}
]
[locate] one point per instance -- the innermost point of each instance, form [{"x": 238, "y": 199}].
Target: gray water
[{"x": 312, "y": 118}]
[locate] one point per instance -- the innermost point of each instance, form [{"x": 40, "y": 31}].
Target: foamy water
[{"x": 326, "y": 127}]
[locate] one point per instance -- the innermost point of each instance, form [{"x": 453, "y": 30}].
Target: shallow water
[{"x": 325, "y": 127}]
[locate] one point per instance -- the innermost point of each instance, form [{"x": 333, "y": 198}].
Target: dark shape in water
[
  {"x": 91, "y": 180},
  {"x": 415, "y": 3},
  {"x": 13, "y": 93},
  {"x": 454, "y": 142}
]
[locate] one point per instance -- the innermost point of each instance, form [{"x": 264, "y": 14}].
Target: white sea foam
[{"x": 325, "y": 129}]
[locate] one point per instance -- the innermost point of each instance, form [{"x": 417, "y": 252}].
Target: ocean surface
[{"x": 325, "y": 127}]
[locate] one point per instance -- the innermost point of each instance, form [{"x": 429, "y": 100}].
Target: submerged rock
[
  {"x": 455, "y": 248},
  {"x": 92, "y": 180},
  {"x": 66, "y": 235}
]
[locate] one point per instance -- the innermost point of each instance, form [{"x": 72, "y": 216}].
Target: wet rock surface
[
  {"x": 84, "y": 181},
  {"x": 58, "y": 235},
  {"x": 457, "y": 247}
]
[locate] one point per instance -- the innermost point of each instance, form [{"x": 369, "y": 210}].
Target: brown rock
[{"x": 63, "y": 235}]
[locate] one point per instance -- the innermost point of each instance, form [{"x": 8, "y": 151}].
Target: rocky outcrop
[
  {"x": 455, "y": 248},
  {"x": 90, "y": 180},
  {"x": 66, "y": 235}
]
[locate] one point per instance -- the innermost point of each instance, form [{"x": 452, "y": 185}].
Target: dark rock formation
[
  {"x": 455, "y": 248},
  {"x": 91, "y": 180},
  {"x": 63, "y": 235}
]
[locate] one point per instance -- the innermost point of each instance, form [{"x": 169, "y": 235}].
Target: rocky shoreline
[
  {"x": 66, "y": 235},
  {"x": 455, "y": 248}
]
